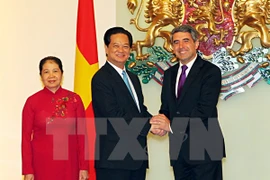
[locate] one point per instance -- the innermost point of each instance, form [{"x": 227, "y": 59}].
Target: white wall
[{"x": 29, "y": 31}]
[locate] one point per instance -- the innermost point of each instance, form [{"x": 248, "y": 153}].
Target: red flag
[{"x": 85, "y": 67}]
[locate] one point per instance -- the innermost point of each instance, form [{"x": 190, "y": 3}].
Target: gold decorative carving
[
  {"x": 206, "y": 17},
  {"x": 227, "y": 30},
  {"x": 159, "y": 14},
  {"x": 254, "y": 14},
  {"x": 226, "y": 22}
]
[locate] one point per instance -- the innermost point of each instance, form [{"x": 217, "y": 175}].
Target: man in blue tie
[
  {"x": 121, "y": 118},
  {"x": 189, "y": 97}
]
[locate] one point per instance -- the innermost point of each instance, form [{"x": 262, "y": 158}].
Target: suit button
[{"x": 177, "y": 112}]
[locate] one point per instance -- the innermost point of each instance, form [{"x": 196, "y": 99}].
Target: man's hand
[
  {"x": 160, "y": 124},
  {"x": 158, "y": 132}
]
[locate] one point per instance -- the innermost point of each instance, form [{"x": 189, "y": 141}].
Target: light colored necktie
[
  {"x": 125, "y": 78},
  {"x": 182, "y": 80}
]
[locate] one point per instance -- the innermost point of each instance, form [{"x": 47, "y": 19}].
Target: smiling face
[
  {"x": 184, "y": 47},
  {"x": 118, "y": 50},
  {"x": 51, "y": 75}
]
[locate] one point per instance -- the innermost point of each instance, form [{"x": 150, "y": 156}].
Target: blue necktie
[
  {"x": 182, "y": 80},
  {"x": 125, "y": 78}
]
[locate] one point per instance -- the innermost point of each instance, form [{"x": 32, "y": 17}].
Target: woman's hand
[
  {"x": 83, "y": 175},
  {"x": 29, "y": 177}
]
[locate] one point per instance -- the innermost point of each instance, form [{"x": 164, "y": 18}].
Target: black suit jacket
[
  {"x": 112, "y": 99},
  {"x": 198, "y": 100}
]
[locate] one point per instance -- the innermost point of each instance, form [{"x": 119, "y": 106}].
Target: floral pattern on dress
[{"x": 61, "y": 105}]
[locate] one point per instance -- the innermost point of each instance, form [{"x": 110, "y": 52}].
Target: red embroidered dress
[{"x": 54, "y": 135}]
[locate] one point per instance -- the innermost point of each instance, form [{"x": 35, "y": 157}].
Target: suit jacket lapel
[
  {"x": 133, "y": 80},
  {"x": 192, "y": 75},
  {"x": 173, "y": 80},
  {"x": 136, "y": 88},
  {"x": 119, "y": 83}
]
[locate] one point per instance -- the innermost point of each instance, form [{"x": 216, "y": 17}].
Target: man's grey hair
[{"x": 186, "y": 28}]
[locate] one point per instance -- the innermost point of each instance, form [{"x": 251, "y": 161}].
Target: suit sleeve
[
  {"x": 82, "y": 146},
  {"x": 27, "y": 128},
  {"x": 164, "y": 109},
  {"x": 210, "y": 91},
  {"x": 147, "y": 126}
]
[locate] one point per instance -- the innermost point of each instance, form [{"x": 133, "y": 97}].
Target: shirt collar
[
  {"x": 119, "y": 70},
  {"x": 190, "y": 64}
]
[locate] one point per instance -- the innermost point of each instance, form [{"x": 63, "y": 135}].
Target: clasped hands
[{"x": 160, "y": 125}]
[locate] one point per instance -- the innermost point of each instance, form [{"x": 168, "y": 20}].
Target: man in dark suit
[
  {"x": 121, "y": 119},
  {"x": 189, "y": 97}
]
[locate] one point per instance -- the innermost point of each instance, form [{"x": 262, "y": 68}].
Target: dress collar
[{"x": 59, "y": 90}]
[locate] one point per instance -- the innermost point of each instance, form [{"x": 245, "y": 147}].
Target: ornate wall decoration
[
  {"x": 158, "y": 14},
  {"x": 227, "y": 31}
]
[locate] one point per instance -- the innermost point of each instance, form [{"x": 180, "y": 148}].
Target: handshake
[{"x": 160, "y": 125}]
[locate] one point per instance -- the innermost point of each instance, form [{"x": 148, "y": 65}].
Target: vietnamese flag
[{"x": 86, "y": 66}]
